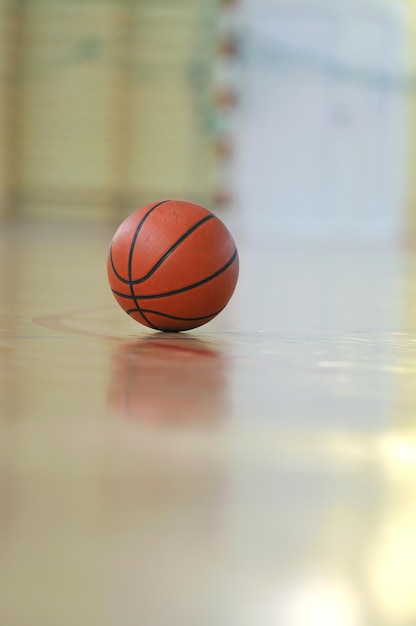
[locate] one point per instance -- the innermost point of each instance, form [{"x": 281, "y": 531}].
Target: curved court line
[{"x": 55, "y": 322}]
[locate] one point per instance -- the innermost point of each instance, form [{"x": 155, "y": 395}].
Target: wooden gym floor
[{"x": 259, "y": 471}]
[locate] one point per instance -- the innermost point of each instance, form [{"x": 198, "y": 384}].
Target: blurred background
[
  {"x": 299, "y": 114},
  {"x": 106, "y": 105},
  {"x": 272, "y": 482}
]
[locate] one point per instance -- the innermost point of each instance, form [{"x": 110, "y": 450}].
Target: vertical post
[{"x": 12, "y": 93}]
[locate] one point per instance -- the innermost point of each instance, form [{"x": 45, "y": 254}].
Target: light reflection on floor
[{"x": 260, "y": 470}]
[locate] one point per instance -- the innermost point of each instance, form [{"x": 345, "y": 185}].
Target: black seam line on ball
[
  {"x": 174, "y": 317},
  {"x": 189, "y": 287},
  {"x": 177, "y": 243},
  {"x": 120, "y": 278},
  {"x": 127, "y": 296},
  {"x": 181, "y": 239},
  {"x": 130, "y": 263},
  {"x": 182, "y": 289}
]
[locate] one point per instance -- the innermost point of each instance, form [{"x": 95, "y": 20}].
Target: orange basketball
[{"x": 172, "y": 265}]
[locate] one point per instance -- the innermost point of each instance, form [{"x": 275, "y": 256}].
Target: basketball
[{"x": 172, "y": 265}]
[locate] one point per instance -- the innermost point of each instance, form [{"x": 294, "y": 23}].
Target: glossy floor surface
[{"x": 259, "y": 471}]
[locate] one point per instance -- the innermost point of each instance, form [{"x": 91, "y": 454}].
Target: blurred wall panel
[
  {"x": 114, "y": 105},
  {"x": 67, "y": 116},
  {"x": 173, "y": 48},
  {"x": 411, "y": 197},
  {"x": 322, "y": 147},
  {"x": 10, "y": 98},
  {"x": 3, "y": 106}
]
